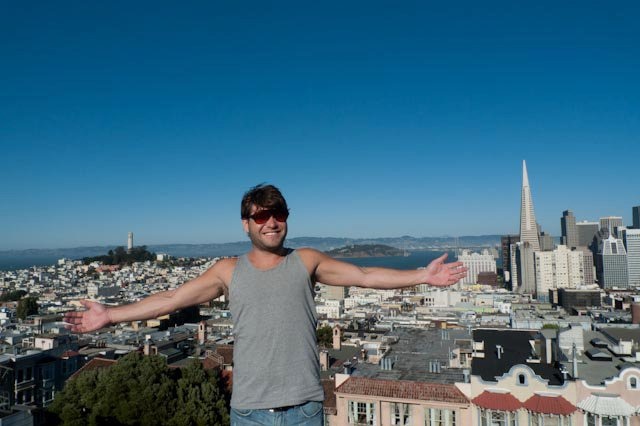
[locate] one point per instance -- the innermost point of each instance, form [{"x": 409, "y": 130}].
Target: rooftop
[
  {"x": 516, "y": 349},
  {"x": 414, "y": 353},
  {"x": 402, "y": 389}
]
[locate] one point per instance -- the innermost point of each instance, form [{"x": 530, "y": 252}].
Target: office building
[
  {"x": 546, "y": 242},
  {"x": 506, "y": 241},
  {"x": 528, "y": 225},
  {"x": 631, "y": 238},
  {"x": 611, "y": 223},
  {"x": 612, "y": 264},
  {"x": 333, "y": 292},
  {"x": 476, "y": 263},
  {"x": 525, "y": 268},
  {"x": 560, "y": 268},
  {"x": 574, "y": 298},
  {"x": 569, "y": 229},
  {"x": 589, "y": 265},
  {"x": 586, "y": 232},
  {"x": 635, "y": 214}
]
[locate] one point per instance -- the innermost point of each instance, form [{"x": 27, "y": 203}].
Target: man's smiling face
[{"x": 269, "y": 235}]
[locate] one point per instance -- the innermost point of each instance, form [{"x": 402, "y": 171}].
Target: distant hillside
[
  {"x": 14, "y": 259},
  {"x": 365, "y": 250}
]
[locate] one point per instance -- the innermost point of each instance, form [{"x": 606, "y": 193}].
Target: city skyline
[{"x": 117, "y": 119}]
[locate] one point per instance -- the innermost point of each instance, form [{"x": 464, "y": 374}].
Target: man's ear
[{"x": 245, "y": 225}]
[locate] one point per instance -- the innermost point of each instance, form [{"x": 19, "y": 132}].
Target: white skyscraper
[
  {"x": 632, "y": 244},
  {"x": 130, "y": 241},
  {"x": 560, "y": 268},
  {"x": 586, "y": 232},
  {"x": 612, "y": 260},
  {"x": 476, "y": 263},
  {"x": 528, "y": 226},
  {"x": 524, "y": 270},
  {"x": 611, "y": 223}
]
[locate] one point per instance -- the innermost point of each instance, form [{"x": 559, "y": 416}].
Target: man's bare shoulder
[
  {"x": 223, "y": 268},
  {"x": 311, "y": 258},
  {"x": 308, "y": 253}
]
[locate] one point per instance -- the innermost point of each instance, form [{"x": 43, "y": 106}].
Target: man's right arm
[{"x": 207, "y": 286}]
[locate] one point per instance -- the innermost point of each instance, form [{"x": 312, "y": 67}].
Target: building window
[
  {"x": 362, "y": 413},
  {"x": 440, "y": 417},
  {"x": 596, "y": 420},
  {"x": 400, "y": 414},
  {"x": 498, "y": 418},
  {"x": 522, "y": 379},
  {"x": 536, "y": 419},
  {"x": 466, "y": 359},
  {"x": 633, "y": 382},
  {"x": 47, "y": 396}
]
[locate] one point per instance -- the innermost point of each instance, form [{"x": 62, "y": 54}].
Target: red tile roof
[
  {"x": 547, "y": 404},
  {"x": 329, "y": 397},
  {"x": 402, "y": 389},
  {"x": 227, "y": 353},
  {"x": 69, "y": 354},
  {"x": 94, "y": 364},
  {"x": 497, "y": 401}
]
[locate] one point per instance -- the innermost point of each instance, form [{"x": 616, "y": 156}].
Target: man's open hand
[
  {"x": 444, "y": 274},
  {"x": 95, "y": 317}
]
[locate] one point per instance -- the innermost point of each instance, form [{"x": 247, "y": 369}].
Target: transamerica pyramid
[{"x": 528, "y": 225}]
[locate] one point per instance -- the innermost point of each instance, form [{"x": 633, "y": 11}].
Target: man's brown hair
[{"x": 265, "y": 196}]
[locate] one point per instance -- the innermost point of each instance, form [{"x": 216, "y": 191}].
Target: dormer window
[
  {"x": 633, "y": 382},
  {"x": 522, "y": 379}
]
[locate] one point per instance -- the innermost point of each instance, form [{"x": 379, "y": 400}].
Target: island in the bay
[{"x": 365, "y": 250}]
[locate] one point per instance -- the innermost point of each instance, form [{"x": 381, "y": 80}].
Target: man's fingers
[{"x": 86, "y": 303}]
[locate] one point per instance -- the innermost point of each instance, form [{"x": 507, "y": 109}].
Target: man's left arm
[{"x": 330, "y": 271}]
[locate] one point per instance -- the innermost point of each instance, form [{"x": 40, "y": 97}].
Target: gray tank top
[{"x": 275, "y": 358}]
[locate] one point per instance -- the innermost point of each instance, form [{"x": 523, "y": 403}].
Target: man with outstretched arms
[{"x": 276, "y": 376}]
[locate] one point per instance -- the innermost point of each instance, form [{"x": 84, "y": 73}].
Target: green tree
[
  {"x": 142, "y": 390},
  {"x": 325, "y": 336},
  {"x": 27, "y": 306},
  {"x": 196, "y": 391},
  {"x": 12, "y": 296}
]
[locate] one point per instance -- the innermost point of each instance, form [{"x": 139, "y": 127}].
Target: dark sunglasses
[{"x": 263, "y": 216}]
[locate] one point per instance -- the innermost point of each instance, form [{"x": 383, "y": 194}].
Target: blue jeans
[{"x": 307, "y": 414}]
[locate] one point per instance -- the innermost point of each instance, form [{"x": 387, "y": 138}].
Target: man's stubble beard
[{"x": 259, "y": 244}]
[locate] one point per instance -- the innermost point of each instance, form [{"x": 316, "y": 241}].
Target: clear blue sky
[{"x": 374, "y": 118}]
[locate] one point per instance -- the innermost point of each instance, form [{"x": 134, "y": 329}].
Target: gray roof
[
  {"x": 620, "y": 333},
  {"x": 413, "y": 352},
  {"x": 596, "y": 371}
]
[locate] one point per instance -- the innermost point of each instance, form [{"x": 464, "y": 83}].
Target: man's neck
[{"x": 265, "y": 259}]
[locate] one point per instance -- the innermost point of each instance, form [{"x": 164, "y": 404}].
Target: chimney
[
  {"x": 324, "y": 360},
  {"x": 363, "y": 355},
  {"x": 467, "y": 375},
  {"x": 347, "y": 367},
  {"x": 635, "y": 313},
  {"x": 147, "y": 347},
  {"x": 337, "y": 338},
  {"x": 574, "y": 360},
  {"x": 499, "y": 351},
  {"x": 202, "y": 332}
]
